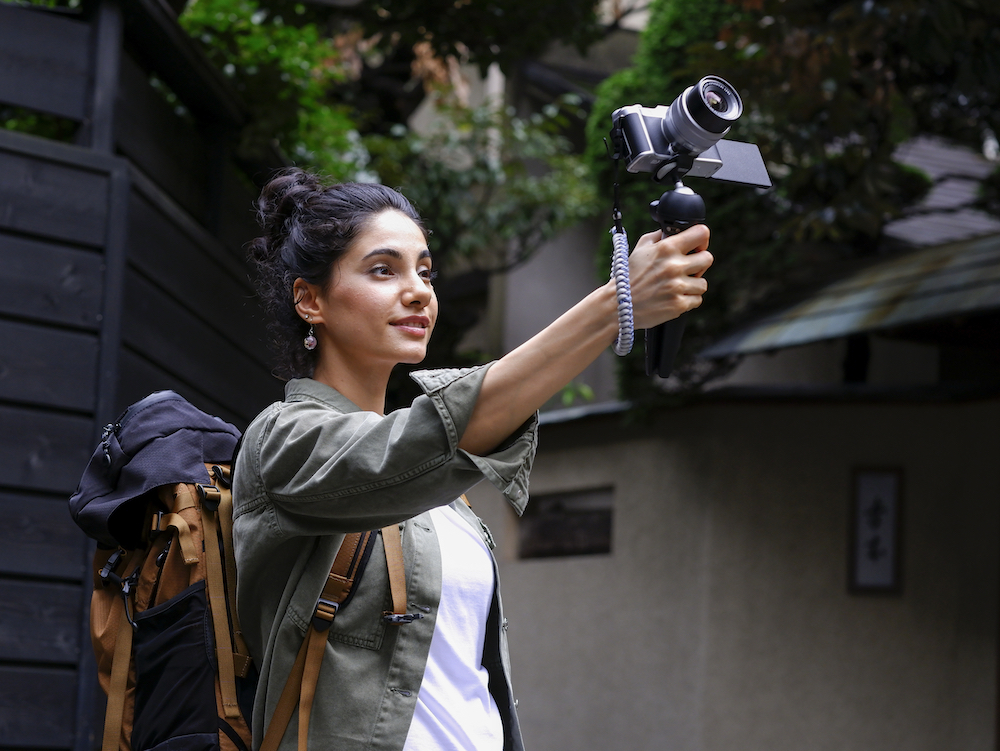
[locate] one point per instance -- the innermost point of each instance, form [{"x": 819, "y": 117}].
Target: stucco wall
[{"x": 722, "y": 618}]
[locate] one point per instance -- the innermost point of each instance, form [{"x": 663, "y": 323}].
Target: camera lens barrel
[{"x": 702, "y": 115}]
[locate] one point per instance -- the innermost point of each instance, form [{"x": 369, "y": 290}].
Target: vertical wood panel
[{"x": 107, "y": 32}]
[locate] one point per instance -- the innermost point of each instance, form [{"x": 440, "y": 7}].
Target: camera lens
[
  {"x": 713, "y": 104},
  {"x": 699, "y": 117}
]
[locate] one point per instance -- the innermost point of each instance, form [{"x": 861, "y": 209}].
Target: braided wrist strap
[{"x": 619, "y": 272}]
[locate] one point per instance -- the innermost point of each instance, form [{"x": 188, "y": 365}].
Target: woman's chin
[{"x": 414, "y": 358}]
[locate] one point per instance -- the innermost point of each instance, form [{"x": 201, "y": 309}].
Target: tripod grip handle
[
  {"x": 675, "y": 211},
  {"x": 662, "y": 344}
]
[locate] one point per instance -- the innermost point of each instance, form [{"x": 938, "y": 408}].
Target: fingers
[{"x": 667, "y": 274}]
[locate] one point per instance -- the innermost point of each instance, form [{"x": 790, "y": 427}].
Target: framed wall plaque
[{"x": 875, "y": 535}]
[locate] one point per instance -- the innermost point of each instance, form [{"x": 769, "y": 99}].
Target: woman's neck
[{"x": 366, "y": 390}]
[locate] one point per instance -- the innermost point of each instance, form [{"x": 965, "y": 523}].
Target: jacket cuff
[{"x": 454, "y": 392}]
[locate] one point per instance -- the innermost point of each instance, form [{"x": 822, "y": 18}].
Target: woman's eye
[
  {"x": 429, "y": 275},
  {"x": 381, "y": 270}
]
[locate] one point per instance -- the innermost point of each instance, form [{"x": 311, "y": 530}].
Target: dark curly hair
[{"x": 307, "y": 225}]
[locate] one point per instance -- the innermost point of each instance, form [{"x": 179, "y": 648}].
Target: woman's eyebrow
[{"x": 392, "y": 252}]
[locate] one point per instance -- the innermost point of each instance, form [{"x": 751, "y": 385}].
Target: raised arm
[{"x": 667, "y": 281}]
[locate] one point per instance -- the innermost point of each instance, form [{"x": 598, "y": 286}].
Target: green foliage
[
  {"x": 493, "y": 186},
  {"x": 333, "y": 87},
  {"x": 831, "y": 89},
  {"x": 37, "y": 124},
  {"x": 285, "y": 69},
  {"x": 575, "y": 391},
  {"x": 485, "y": 31}
]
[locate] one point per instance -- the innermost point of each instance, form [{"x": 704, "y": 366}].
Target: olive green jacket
[{"x": 314, "y": 467}]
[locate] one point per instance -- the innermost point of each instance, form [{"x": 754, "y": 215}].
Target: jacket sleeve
[{"x": 325, "y": 470}]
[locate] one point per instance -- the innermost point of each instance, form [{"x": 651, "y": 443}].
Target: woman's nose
[{"x": 418, "y": 291}]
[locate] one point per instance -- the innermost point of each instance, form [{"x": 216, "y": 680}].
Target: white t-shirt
[{"x": 455, "y": 711}]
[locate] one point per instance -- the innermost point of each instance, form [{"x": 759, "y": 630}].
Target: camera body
[{"x": 686, "y": 137}]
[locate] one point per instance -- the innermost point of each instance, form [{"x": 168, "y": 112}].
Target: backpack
[{"x": 170, "y": 655}]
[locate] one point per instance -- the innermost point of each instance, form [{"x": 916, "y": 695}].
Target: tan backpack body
[{"x": 169, "y": 651}]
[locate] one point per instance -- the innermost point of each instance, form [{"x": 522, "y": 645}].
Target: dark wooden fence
[{"x": 121, "y": 273}]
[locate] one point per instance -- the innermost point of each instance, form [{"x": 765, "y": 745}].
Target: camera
[{"x": 686, "y": 138}]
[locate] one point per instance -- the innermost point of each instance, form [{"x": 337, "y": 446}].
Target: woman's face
[{"x": 379, "y": 308}]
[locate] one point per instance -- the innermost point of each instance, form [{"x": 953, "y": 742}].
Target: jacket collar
[{"x": 303, "y": 389}]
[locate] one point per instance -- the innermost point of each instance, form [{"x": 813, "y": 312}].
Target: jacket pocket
[{"x": 359, "y": 623}]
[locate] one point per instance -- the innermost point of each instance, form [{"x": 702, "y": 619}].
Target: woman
[{"x": 346, "y": 276}]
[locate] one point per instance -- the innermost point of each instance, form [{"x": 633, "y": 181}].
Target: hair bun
[{"x": 283, "y": 197}]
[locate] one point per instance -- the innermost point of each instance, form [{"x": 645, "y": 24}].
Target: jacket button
[{"x": 504, "y": 624}]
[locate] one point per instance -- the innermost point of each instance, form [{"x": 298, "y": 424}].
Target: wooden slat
[
  {"x": 49, "y": 282},
  {"x": 234, "y": 261},
  {"x": 37, "y": 707},
  {"x": 107, "y": 34},
  {"x": 40, "y": 622},
  {"x": 43, "y": 451},
  {"x": 52, "y": 367},
  {"x": 237, "y": 220},
  {"x": 139, "y": 378},
  {"x": 159, "y": 142},
  {"x": 44, "y": 61},
  {"x": 167, "y": 333},
  {"x": 39, "y": 538},
  {"x": 216, "y": 288},
  {"x": 52, "y": 200}
]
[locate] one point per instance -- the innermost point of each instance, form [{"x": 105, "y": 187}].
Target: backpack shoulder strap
[
  {"x": 300, "y": 687},
  {"x": 346, "y": 569},
  {"x": 212, "y": 510}
]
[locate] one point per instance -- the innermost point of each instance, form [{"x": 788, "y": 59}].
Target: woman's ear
[{"x": 306, "y": 297}]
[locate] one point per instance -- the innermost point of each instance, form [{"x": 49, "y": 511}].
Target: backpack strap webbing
[
  {"x": 211, "y": 498},
  {"x": 114, "y": 713},
  {"x": 347, "y": 566},
  {"x": 300, "y": 687},
  {"x": 393, "y": 544},
  {"x": 241, "y": 653}
]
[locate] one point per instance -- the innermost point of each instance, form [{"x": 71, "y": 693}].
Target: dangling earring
[{"x": 310, "y": 341}]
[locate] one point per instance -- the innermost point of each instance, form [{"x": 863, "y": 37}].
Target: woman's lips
[{"x": 416, "y": 325}]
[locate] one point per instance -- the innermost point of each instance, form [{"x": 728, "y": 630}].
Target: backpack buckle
[
  {"x": 323, "y": 615},
  {"x": 210, "y": 497},
  {"x": 107, "y": 574}
]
